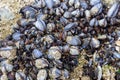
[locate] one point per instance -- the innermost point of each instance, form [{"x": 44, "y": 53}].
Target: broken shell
[
  {"x": 103, "y": 22},
  {"x": 40, "y": 24},
  {"x": 42, "y": 74},
  {"x": 37, "y": 53},
  {"x": 113, "y": 10},
  {"x": 54, "y": 53},
  {"x": 95, "y": 43},
  {"x": 74, "y": 50},
  {"x": 73, "y": 40},
  {"x": 41, "y": 63}
]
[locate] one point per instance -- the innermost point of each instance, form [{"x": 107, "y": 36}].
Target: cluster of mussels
[{"x": 51, "y": 34}]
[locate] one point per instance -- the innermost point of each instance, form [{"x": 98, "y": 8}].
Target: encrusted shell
[
  {"x": 42, "y": 74},
  {"x": 41, "y": 63},
  {"x": 73, "y": 40},
  {"x": 55, "y": 73},
  {"x": 74, "y": 50},
  {"x": 50, "y": 27},
  {"x": 54, "y": 53}
]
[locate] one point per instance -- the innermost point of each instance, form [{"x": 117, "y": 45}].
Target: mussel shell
[
  {"x": 28, "y": 12},
  {"x": 113, "y": 10},
  {"x": 37, "y": 53},
  {"x": 94, "y": 2}
]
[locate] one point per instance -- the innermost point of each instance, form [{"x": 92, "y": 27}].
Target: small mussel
[
  {"x": 37, "y": 53},
  {"x": 49, "y": 3},
  {"x": 54, "y": 53},
  {"x": 103, "y": 22},
  {"x": 113, "y": 10},
  {"x": 94, "y": 2},
  {"x": 93, "y": 22},
  {"x": 20, "y": 75},
  {"x": 70, "y": 26},
  {"x": 95, "y": 43},
  {"x": 41, "y": 63},
  {"x": 96, "y": 9},
  {"x": 40, "y": 24},
  {"x": 28, "y": 12},
  {"x": 42, "y": 74},
  {"x": 16, "y": 36},
  {"x": 73, "y": 40},
  {"x": 55, "y": 73},
  {"x": 50, "y": 27},
  {"x": 74, "y": 50}
]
